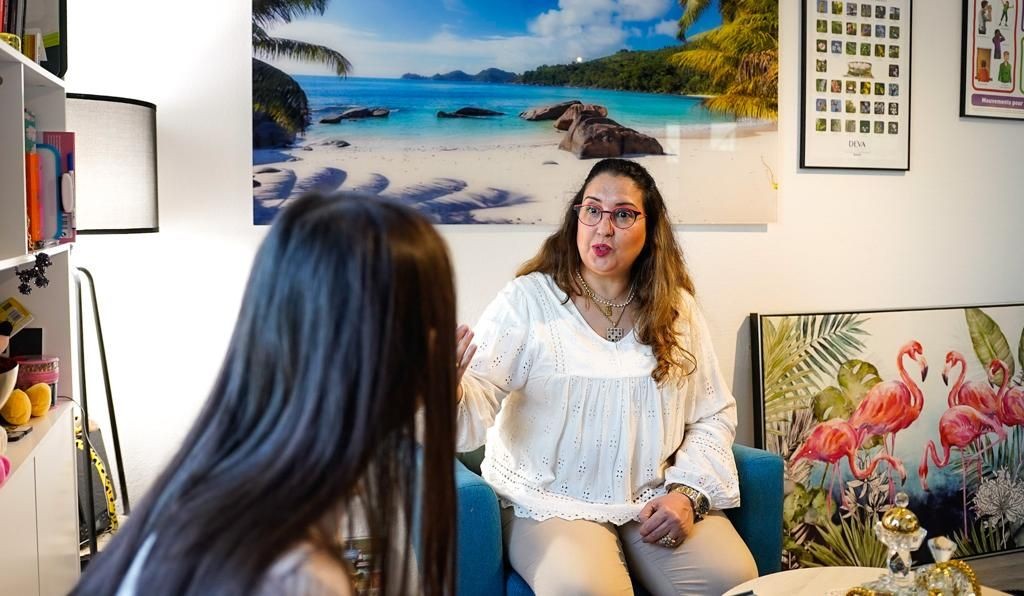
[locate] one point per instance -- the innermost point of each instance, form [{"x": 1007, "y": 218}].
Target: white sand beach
[{"x": 717, "y": 174}]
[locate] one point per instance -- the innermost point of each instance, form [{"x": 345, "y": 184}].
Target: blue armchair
[{"x": 483, "y": 570}]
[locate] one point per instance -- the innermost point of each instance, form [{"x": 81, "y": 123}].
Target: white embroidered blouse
[{"x": 575, "y": 425}]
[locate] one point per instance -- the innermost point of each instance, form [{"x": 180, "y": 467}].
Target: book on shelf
[
  {"x": 16, "y": 314},
  {"x": 13, "y": 16},
  {"x": 49, "y": 185},
  {"x": 60, "y": 170}
]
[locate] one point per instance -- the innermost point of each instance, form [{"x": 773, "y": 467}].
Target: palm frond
[
  {"x": 851, "y": 543},
  {"x": 831, "y": 340},
  {"x": 692, "y": 10},
  {"x": 749, "y": 33},
  {"x": 997, "y": 456},
  {"x": 740, "y": 56},
  {"x": 743, "y": 106},
  {"x": 273, "y": 47},
  {"x": 800, "y": 352},
  {"x": 717, "y": 65},
  {"x": 259, "y": 33},
  {"x": 979, "y": 541},
  {"x": 279, "y": 96},
  {"x": 266, "y": 11}
]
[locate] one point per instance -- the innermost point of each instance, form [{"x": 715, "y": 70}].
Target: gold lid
[{"x": 900, "y": 519}]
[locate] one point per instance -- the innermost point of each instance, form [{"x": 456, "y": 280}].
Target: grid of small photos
[
  {"x": 855, "y": 58},
  {"x": 859, "y": 36}
]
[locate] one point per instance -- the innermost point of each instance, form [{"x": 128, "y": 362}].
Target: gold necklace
[
  {"x": 607, "y": 305},
  {"x": 613, "y": 332}
]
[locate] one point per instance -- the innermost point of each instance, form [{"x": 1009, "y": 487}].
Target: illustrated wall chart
[
  {"x": 856, "y": 84},
  {"x": 992, "y": 70}
]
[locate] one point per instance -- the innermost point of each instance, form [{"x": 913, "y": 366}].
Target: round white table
[{"x": 817, "y": 581}]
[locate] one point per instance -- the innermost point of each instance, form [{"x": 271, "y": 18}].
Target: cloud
[
  {"x": 667, "y": 27},
  {"x": 586, "y": 28},
  {"x": 642, "y": 10}
]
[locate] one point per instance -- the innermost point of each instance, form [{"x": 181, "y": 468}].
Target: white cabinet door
[
  {"x": 19, "y": 566},
  {"x": 57, "y": 510}
]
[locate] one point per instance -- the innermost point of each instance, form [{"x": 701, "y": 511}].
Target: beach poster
[{"x": 486, "y": 112}]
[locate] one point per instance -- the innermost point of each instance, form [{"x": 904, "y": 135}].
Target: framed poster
[
  {"x": 862, "y": 405},
  {"x": 485, "y": 112},
  {"x": 992, "y": 59},
  {"x": 855, "y": 84}
]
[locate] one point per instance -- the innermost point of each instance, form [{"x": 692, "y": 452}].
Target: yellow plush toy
[
  {"x": 39, "y": 396},
  {"x": 18, "y": 408}
]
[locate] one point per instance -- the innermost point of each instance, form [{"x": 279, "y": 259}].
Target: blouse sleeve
[
  {"x": 705, "y": 461},
  {"x": 501, "y": 365}
]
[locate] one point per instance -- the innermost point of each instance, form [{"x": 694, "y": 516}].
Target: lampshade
[{"x": 115, "y": 164}]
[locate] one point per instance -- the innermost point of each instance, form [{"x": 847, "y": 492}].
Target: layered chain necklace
[{"x": 606, "y": 308}]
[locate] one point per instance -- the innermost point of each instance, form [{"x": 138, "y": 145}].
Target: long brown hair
[
  {"x": 658, "y": 274},
  {"x": 346, "y": 330}
]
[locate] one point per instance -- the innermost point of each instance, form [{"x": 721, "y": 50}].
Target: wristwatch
[{"x": 700, "y": 503}]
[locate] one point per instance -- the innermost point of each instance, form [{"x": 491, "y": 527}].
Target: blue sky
[{"x": 427, "y": 36}]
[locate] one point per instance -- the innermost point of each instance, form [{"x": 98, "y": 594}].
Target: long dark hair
[
  {"x": 346, "y": 329},
  {"x": 658, "y": 274}
]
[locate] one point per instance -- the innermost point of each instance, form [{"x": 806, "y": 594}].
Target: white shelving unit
[{"x": 39, "y": 502}]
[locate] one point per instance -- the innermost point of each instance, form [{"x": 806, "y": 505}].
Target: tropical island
[
  {"x": 646, "y": 71},
  {"x": 487, "y": 75}
]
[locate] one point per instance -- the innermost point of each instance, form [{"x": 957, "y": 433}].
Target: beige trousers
[{"x": 559, "y": 557}]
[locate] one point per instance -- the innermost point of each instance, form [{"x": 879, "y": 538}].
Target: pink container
[{"x": 39, "y": 369}]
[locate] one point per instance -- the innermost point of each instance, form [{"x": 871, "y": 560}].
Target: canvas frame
[
  {"x": 1014, "y": 337},
  {"x": 888, "y": 150}
]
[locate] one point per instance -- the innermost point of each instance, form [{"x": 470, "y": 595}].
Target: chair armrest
[
  {"x": 758, "y": 519},
  {"x": 480, "y": 557}
]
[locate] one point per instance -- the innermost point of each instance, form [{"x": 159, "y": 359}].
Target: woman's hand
[
  {"x": 464, "y": 351},
  {"x": 669, "y": 515}
]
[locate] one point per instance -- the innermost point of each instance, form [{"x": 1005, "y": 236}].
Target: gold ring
[{"x": 668, "y": 541}]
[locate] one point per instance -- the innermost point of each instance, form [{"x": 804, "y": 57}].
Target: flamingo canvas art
[{"x": 847, "y": 400}]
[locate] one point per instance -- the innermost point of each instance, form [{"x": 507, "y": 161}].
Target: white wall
[{"x": 932, "y": 236}]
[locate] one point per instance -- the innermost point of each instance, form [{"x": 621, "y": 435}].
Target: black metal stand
[{"x": 79, "y": 274}]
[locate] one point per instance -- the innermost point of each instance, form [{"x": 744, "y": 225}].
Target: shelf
[
  {"x": 35, "y": 75},
  {"x": 18, "y": 261},
  {"x": 21, "y": 451}
]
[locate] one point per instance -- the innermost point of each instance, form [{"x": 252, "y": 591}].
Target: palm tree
[
  {"x": 741, "y": 57},
  {"x": 275, "y": 93}
]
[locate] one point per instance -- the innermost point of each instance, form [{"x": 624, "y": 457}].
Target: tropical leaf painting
[
  {"x": 865, "y": 405},
  {"x": 856, "y": 378},
  {"x": 988, "y": 340}
]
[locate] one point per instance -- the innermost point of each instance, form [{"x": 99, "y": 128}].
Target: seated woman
[
  {"x": 346, "y": 330},
  {"x": 608, "y": 424}
]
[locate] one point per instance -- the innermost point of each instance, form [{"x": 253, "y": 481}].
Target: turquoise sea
[{"x": 414, "y": 105}]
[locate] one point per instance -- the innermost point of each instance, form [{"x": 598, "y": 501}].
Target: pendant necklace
[{"x": 614, "y": 333}]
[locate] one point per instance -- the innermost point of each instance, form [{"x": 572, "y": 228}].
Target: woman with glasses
[{"x": 592, "y": 379}]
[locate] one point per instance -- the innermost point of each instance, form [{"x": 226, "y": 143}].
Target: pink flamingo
[
  {"x": 1010, "y": 398},
  {"x": 834, "y": 439},
  {"x": 1011, "y": 401},
  {"x": 977, "y": 394},
  {"x": 959, "y": 426},
  {"x": 892, "y": 406}
]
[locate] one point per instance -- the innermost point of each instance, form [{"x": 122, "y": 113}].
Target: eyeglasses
[{"x": 622, "y": 217}]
